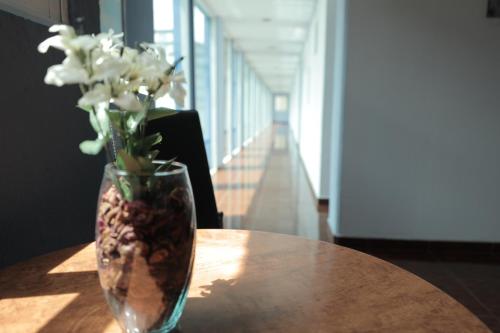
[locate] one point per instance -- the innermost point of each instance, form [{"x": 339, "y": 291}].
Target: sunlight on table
[
  {"x": 218, "y": 260},
  {"x": 71, "y": 264},
  {"x": 52, "y": 306}
]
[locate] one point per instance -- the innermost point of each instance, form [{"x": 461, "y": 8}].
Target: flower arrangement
[
  {"x": 145, "y": 225},
  {"x": 119, "y": 88}
]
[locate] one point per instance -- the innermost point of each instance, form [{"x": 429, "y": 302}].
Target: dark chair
[{"x": 183, "y": 140}]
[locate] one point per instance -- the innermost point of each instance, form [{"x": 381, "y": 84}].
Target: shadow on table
[
  {"x": 218, "y": 288},
  {"x": 73, "y": 301},
  {"x": 259, "y": 287}
]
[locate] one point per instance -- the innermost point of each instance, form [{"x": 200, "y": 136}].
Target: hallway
[{"x": 265, "y": 188}]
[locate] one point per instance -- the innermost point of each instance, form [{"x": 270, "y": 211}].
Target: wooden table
[{"x": 243, "y": 282}]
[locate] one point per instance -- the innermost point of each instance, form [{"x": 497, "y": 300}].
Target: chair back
[{"x": 183, "y": 140}]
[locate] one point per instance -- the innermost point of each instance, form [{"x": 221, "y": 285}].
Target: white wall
[
  {"x": 421, "y": 142},
  {"x": 312, "y": 98},
  {"x": 310, "y": 110},
  {"x": 337, "y": 33}
]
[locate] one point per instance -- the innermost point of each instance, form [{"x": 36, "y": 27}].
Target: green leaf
[
  {"x": 114, "y": 117},
  {"x": 153, "y": 154},
  {"x": 146, "y": 164},
  {"x": 126, "y": 162},
  {"x": 134, "y": 119},
  {"x": 99, "y": 120},
  {"x": 160, "y": 113},
  {"x": 166, "y": 165},
  {"x": 152, "y": 140},
  {"x": 94, "y": 122},
  {"x": 85, "y": 108},
  {"x": 103, "y": 120},
  {"x": 92, "y": 147},
  {"x": 125, "y": 188}
]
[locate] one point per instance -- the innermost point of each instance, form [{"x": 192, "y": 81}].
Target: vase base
[{"x": 171, "y": 324}]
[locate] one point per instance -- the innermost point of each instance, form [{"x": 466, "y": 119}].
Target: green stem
[
  {"x": 109, "y": 156},
  {"x": 123, "y": 132},
  {"x": 148, "y": 102}
]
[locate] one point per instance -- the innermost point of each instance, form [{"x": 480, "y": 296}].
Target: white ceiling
[{"x": 270, "y": 33}]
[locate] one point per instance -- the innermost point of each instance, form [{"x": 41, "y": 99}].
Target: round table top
[{"x": 244, "y": 281}]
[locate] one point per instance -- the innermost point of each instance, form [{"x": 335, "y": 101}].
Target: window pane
[
  {"x": 199, "y": 26},
  {"x": 111, "y": 15},
  {"x": 166, "y": 29},
  {"x": 280, "y": 103},
  {"x": 236, "y": 98},
  {"x": 202, "y": 66},
  {"x": 164, "y": 22},
  {"x": 163, "y": 14}
]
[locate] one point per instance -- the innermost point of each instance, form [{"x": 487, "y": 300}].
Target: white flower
[
  {"x": 69, "y": 72},
  {"x": 128, "y": 102},
  {"x": 162, "y": 91},
  {"x": 178, "y": 93},
  {"x": 150, "y": 66},
  {"x": 129, "y": 54},
  {"x": 179, "y": 77},
  {"x": 61, "y": 41},
  {"x": 110, "y": 72},
  {"x": 101, "y": 93},
  {"x": 156, "y": 50},
  {"x": 133, "y": 73},
  {"x": 110, "y": 41},
  {"x": 173, "y": 84},
  {"x": 63, "y": 30},
  {"x": 108, "y": 67},
  {"x": 82, "y": 43},
  {"x": 153, "y": 67},
  {"x": 167, "y": 80},
  {"x": 54, "y": 41}
]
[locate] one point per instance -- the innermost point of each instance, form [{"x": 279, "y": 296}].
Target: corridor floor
[{"x": 265, "y": 188}]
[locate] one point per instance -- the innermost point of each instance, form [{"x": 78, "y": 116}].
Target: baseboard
[
  {"x": 453, "y": 248},
  {"x": 321, "y": 204}
]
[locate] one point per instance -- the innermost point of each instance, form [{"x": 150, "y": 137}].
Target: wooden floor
[{"x": 265, "y": 188}]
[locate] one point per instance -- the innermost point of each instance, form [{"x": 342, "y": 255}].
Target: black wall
[{"x": 48, "y": 189}]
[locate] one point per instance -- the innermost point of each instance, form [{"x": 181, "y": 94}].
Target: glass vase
[{"x": 145, "y": 244}]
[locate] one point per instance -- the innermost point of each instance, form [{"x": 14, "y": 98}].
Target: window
[
  {"x": 281, "y": 103},
  {"x": 232, "y": 101},
  {"x": 202, "y": 64},
  {"x": 281, "y": 108},
  {"x": 163, "y": 18},
  {"x": 111, "y": 15},
  {"x": 228, "y": 59},
  {"x": 236, "y": 100},
  {"x": 199, "y": 26},
  {"x": 166, "y": 24}
]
